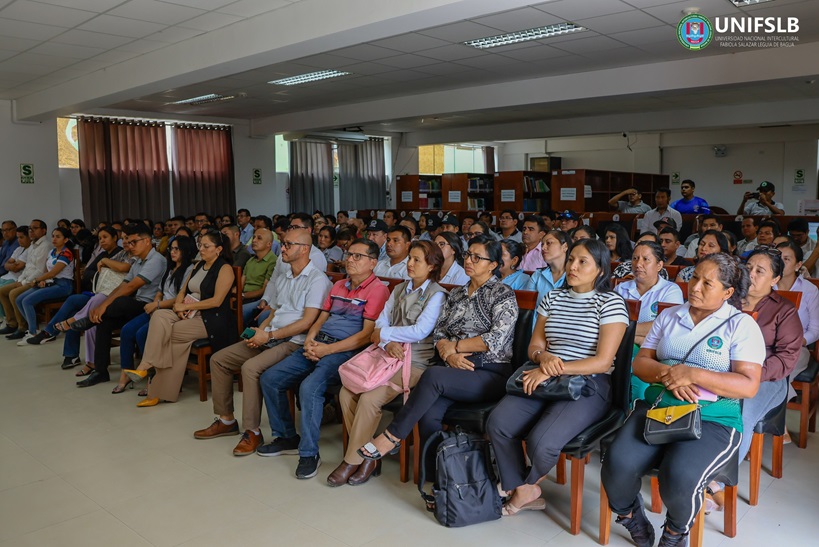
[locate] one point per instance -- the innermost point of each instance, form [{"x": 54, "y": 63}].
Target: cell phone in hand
[
  {"x": 706, "y": 395},
  {"x": 247, "y": 334}
]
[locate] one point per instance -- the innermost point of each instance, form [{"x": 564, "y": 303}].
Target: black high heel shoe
[{"x": 82, "y": 325}]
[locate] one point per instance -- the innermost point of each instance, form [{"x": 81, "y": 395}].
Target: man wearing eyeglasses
[
  {"x": 296, "y": 300},
  {"x": 38, "y": 251},
  {"x": 509, "y": 226},
  {"x": 139, "y": 287},
  {"x": 533, "y": 231},
  {"x": 344, "y": 326},
  {"x": 398, "y": 244}
]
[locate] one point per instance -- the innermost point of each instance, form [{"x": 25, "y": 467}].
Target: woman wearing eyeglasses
[
  {"x": 452, "y": 272},
  {"x": 206, "y": 314},
  {"x": 134, "y": 334},
  {"x": 782, "y": 330},
  {"x": 473, "y": 337},
  {"x": 408, "y": 317}
]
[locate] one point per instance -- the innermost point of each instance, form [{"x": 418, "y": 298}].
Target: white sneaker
[{"x": 24, "y": 340}]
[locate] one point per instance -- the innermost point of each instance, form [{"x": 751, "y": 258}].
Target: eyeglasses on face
[
  {"x": 288, "y": 244},
  {"x": 442, "y": 244},
  {"x": 356, "y": 256},
  {"x": 470, "y": 235},
  {"x": 133, "y": 242},
  {"x": 472, "y": 257},
  {"x": 297, "y": 227}
]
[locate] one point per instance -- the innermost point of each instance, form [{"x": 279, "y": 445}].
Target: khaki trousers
[
  {"x": 252, "y": 362},
  {"x": 167, "y": 349},
  {"x": 8, "y": 297},
  {"x": 362, "y": 412}
]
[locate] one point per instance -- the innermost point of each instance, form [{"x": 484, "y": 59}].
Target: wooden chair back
[
  {"x": 633, "y": 309},
  {"x": 683, "y": 285},
  {"x": 794, "y": 296},
  {"x": 672, "y": 271}
]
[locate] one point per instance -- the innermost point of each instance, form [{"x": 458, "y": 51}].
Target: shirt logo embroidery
[
  {"x": 715, "y": 342},
  {"x": 654, "y": 307}
]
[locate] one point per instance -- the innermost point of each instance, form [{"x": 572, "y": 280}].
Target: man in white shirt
[
  {"x": 296, "y": 299},
  {"x": 661, "y": 210},
  {"x": 799, "y": 232},
  {"x": 35, "y": 266},
  {"x": 748, "y": 241},
  {"x": 243, "y": 219},
  {"x": 761, "y": 202},
  {"x": 633, "y": 205},
  {"x": 398, "y": 245}
]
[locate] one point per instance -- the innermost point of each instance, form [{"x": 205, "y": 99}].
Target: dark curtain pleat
[
  {"x": 203, "y": 174},
  {"x": 311, "y": 176},
  {"x": 362, "y": 175}
]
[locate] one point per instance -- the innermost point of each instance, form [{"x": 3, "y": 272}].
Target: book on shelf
[
  {"x": 430, "y": 203},
  {"x": 429, "y": 185},
  {"x": 533, "y": 184},
  {"x": 477, "y": 184},
  {"x": 536, "y": 205},
  {"x": 476, "y": 204}
]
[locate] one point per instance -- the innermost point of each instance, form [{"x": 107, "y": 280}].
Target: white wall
[
  {"x": 70, "y": 193},
  {"x": 271, "y": 195},
  {"x": 28, "y": 143}
]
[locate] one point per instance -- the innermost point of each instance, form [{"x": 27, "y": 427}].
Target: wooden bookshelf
[
  {"x": 419, "y": 192},
  {"x": 604, "y": 185},
  {"x": 468, "y": 191},
  {"x": 523, "y": 190}
]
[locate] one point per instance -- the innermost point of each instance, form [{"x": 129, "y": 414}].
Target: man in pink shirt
[{"x": 533, "y": 231}]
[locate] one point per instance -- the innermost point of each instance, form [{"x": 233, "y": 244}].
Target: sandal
[
  {"x": 63, "y": 326},
  {"x": 143, "y": 392},
  {"x": 372, "y": 452},
  {"x": 121, "y": 388},
  {"x": 510, "y": 510},
  {"x": 84, "y": 371}
]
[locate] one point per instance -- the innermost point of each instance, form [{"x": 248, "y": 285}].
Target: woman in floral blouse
[{"x": 473, "y": 338}]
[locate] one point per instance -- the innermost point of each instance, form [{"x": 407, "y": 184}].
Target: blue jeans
[
  {"x": 312, "y": 379},
  {"x": 72, "y": 305},
  {"x": 27, "y": 301},
  {"x": 134, "y": 334},
  {"x": 249, "y": 311}
]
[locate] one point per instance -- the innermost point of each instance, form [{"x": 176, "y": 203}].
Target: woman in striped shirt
[{"x": 582, "y": 325}]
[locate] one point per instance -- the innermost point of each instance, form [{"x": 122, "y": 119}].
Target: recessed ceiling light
[
  {"x": 310, "y": 77},
  {"x": 538, "y": 33},
  {"x": 744, "y": 3},
  {"x": 204, "y": 99}
]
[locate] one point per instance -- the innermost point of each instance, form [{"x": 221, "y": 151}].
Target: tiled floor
[{"x": 84, "y": 467}]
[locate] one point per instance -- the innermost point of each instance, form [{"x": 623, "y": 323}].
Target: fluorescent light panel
[
  {"x": 204, "y": 99},
  {"x": 744, "y": 3},
  {"x": 538, "y": 33},
  {"x": 310, "y": 77}
]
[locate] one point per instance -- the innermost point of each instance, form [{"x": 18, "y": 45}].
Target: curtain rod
[{"x": 95, "y": 117}]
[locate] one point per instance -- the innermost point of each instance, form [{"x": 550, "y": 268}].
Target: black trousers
[
  {"x": 685, "y": 468},
  {"x": 546, "y": 426},
  {"x": 121, "y": 310},
  {"x": 439, "y": 388}
]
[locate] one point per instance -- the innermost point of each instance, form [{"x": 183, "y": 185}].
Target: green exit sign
[
  {"x": 26, "y": 173},
  {"x": 257, "y": 176}
]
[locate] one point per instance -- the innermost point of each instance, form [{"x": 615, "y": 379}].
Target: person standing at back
[{"x": 690, "y": 204}]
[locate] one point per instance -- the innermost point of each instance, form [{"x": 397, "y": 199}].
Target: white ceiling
[{"x": 45, "y": 44}]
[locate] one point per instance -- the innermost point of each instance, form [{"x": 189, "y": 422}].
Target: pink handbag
[{"x": 373, "y": 368}]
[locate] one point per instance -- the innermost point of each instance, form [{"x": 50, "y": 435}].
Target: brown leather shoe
[
  {"x": 249, "y": 443},
  {"x": 343, "y": 472},
  {"x": 217, "y": 429},
  {"x": 366, "y": 470}
]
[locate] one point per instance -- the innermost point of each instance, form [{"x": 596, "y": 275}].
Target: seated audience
[
  {"x": 128, "y": 300},
  {"x": 410, "y": 224},
  {"x": 555, "y": 248},
  {"x": 450, "y": 223},
  {"x": 662, "y": 212},
  {"x": 14, "y": 265},
  {"x": 377, "y": 231},
  {"x": 432, "y": 228},
  {"x": 344, "y": 326},
  {"x": 748, "y": 241},
  {"x": 578, "y": 331},
  {"x": 295, "y": 300},
  {"x": 394, "y": 265},
  {"x": 202, "y": 310},
  {"x": 617, "y": 241},
  {"x": 510, "y": 273},
  {"x": 583, "y": 232},
  {"x": 9, "y": 244},
  {"x": 243, "y": 219},
  {"x": 670, "y": 242},
  {"x": 240, "y": 252},
  {"x": 408, "y": 317},
  {"x": 452, "y": 271},
  {"x": 569, "y": 220},
  {"x": 534, "y": 230},
  {"x": 56, "y": 283},
  {"x": 634, "y": 203},
  {"x": 327, "y": 245},
  {"x": 473, "y": 337},
  {"x": 712, "y": 241},
  {"x": 761, "y": 202},
  {"x": 134, "y": 335},
  {"x": 799, "y": 232},
  {"x": 724, "y": 349},
  {"x": 508, "y": 221},
  {"x": 782, "y": 331},
  {"x": 257, "y": 273},
  {"x": 38, "y": 254}
]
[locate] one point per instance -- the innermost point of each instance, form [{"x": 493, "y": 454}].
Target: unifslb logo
[
  {"x": 695, "y": 31},
  {"x": 715, "y": 342}
]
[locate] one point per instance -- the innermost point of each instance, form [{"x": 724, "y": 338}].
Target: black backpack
[{"x": 465, "y": 489}]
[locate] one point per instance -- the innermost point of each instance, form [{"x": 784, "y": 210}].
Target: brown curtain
[
  {"x": 311, "y": 176},
  {"x": 123, "y": 169},
  {"x": 489, "y": 159},
  {"x": 362, "y": 175},
  {"x": 203, "y": 176}
]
